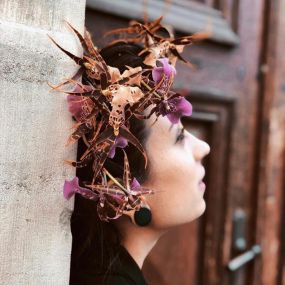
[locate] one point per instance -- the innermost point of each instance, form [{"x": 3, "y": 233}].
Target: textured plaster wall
[{"x": 35, "y": 239}]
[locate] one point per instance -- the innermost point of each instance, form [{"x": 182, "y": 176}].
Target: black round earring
[{"x": 143, "y": 216}]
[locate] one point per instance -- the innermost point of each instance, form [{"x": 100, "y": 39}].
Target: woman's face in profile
[{"x": 175, "y": 172}]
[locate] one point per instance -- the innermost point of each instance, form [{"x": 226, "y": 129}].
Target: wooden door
[{"x": 229, "y": 91}]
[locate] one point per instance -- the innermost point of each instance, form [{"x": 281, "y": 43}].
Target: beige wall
[{"x": 35, "y": 239}]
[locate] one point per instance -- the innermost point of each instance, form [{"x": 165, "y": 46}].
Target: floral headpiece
[{"x": 104, "y": 105}]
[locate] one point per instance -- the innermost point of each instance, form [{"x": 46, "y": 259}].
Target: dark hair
[{"x": 96, "y": 242}]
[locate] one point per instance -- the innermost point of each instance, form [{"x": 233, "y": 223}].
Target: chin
[{"x": 202, "y": 208}]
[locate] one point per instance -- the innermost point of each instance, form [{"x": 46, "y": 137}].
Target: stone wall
[{"x": 35, "y": 239}]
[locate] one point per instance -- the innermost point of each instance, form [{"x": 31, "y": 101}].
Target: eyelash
[{"x": 181, "y": 135}]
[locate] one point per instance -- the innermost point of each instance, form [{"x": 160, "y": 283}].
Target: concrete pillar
[{"x": 35, "y": 238}]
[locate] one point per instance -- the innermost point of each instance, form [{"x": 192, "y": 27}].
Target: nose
[{"x": 201, "y": 149}]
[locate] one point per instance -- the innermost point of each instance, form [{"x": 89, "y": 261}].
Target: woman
[{"x": 113, "y": 252}]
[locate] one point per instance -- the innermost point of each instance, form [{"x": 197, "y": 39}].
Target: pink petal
[
  {"x": 75, "y": 102},
  {"x": 166, "y": 69},
  {"x": 183, "y": 108},
  {"x": 71, "y": 187},
  {"x": 157, "y": 73},
  {"x": 120, "y": 142},
  {"x": 173, "y": 117},
  {"x": 135, "y": 184}
]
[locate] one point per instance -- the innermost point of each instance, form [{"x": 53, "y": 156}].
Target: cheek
[
  {"x": 174, "y": 174},
  {"x": 173, "y": 164}
]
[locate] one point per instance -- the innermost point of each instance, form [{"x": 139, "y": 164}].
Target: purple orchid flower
[
  {"x": 75, "y": 106},
  {"x": 75, "y": 102},
  {"x": 119, "y": 142},
  {"x": 71, "y": 187},
  {"x": 166, "y": 69},
  {"x": 174, "y": 108},
  {"x": 178, "y": 107}
]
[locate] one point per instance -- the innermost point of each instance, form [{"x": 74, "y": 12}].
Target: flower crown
[{"x": 104, "y": 105}]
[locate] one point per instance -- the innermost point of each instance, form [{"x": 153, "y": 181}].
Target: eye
[{"x": 181, "y": 135}]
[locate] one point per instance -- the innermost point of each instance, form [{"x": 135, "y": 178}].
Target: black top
[{"x": 124, "y": 271}]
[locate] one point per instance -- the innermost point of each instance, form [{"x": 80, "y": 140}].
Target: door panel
[
  {"x": 184, "y": 15},
  {"x": 226, "y": 89}
]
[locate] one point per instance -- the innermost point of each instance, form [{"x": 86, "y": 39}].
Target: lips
[{"x": 202, "y": 186}]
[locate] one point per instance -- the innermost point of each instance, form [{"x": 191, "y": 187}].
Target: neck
[{"x": 139, "y": 241}]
